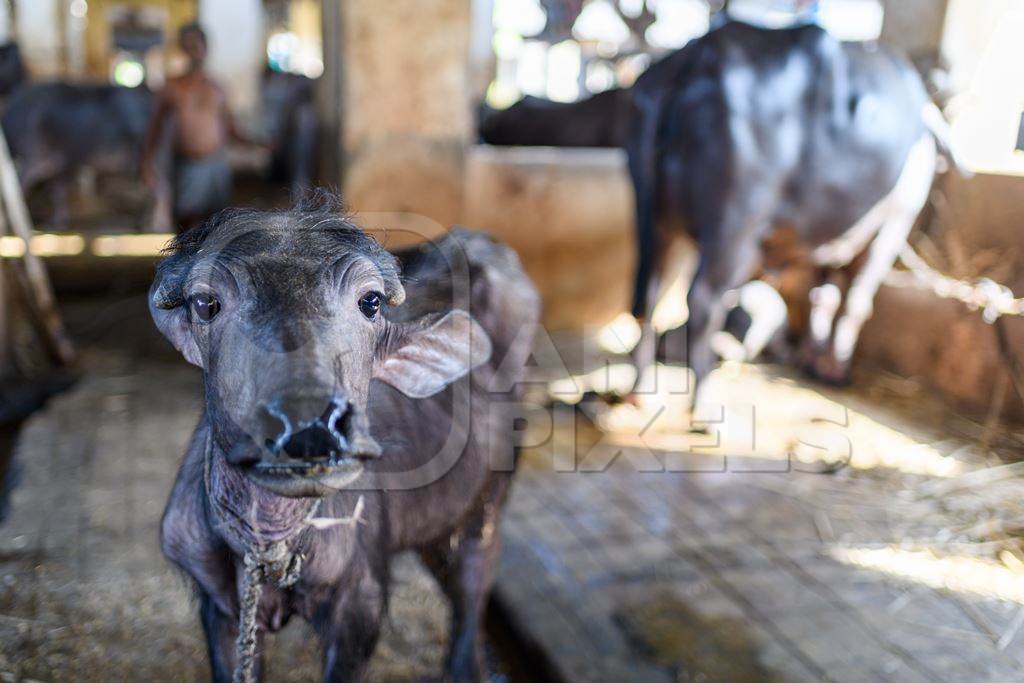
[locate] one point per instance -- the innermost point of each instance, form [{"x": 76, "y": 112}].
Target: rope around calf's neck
[
  {"x": 245, "y": 646},
  {"x": 276, "y": 563},
  {"x": 271, "y": 562}
]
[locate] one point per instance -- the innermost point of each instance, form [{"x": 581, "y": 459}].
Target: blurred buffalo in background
[
  {"x": 745, "y": 131},
  {"x": 57, "y": 129},
  {"x": 598, "y": 121}
]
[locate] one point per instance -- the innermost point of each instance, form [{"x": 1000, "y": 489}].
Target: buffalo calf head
[{"x": 285, "y": 312}]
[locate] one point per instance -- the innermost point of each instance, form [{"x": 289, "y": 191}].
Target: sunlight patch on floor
[
  {"x": 956, "y": 573},
  {"x": 750, "y": 414}
]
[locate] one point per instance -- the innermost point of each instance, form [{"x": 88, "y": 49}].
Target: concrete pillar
[
  {"x": 915, "y": 27},
  {"x": 6, "y": 32},
  {"x": 405, "y": 105},
  {"x": 237, "y": 49},
  {"x": 39, "y": 37},
  {"x": 482, "y": 61}
]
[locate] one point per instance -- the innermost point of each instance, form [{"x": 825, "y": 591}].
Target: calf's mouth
[{"x": 306, "y": 480}]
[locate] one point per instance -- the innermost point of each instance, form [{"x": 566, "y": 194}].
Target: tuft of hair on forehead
[{"x": 319, "y": 211}]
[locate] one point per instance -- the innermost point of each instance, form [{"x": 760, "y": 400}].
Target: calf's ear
[
  {"x": 169, "y": 309},
  {"x": 420, "y": 360}
]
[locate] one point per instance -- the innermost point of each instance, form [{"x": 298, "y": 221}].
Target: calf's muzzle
[
  {"x": 311, "y": 429},
  {"x": 312, "y": 445}
]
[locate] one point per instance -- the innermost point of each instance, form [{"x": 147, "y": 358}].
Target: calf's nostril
[
  {"x": 291, "y": 429},
  {"x": 334, "y": 417},
  {"x": 313, "y": 442},
  {"x": 275, "y": 426}
]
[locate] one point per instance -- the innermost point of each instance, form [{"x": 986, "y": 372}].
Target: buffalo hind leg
[
  {"x": 908, "y": 198},
  {"x": 644, "y": 354},
  {"x": 833, "y": 366},
  {"x": 465, "y": 567},
  {"x": 642, "y": 157},
  {"x": 826, "y": 300},
  {"x": 720, "y": 270}
]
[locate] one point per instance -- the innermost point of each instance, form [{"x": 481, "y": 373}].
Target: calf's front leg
[
  {"x": 465, "y": 566},
  {"x": 221, "y": 636},
  {"x": 349, "y": 626}
]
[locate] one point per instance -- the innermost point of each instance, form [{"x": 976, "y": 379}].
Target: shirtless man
[{"x": 202, "y": 128}]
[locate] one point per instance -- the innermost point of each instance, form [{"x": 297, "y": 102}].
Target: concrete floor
[
  {"x": 627, "y": 561},
  {"x": 671, "y": 563}
]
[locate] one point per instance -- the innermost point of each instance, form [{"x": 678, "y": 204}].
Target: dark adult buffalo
[
  {"x": 746, "y": 130},
  {"x": 598, "y": 121},
  {"x": 56, "y": 129},
  {"x": 341, "y": 425},
  {"x": 291, "y": 122}
]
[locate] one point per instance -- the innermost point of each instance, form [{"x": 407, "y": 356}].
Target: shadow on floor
[{"x": 689, "y": 645}]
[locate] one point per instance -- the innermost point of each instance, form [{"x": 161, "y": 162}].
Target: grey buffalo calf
[{"x": 326, "y": 399}]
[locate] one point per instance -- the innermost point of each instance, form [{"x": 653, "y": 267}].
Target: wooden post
[
  {"x": 61, "y": 22},
  {"x": 916, "y": 27},
  {"x": 6, "y": 310},
  {"x": 12, "y": 17},
  {"x": 45, "y": 317},
  {"x": 6, "y": 318}
]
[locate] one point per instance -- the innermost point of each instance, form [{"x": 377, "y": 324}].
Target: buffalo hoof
[
  {"x": 808, "y": 355},
  {"x": 828, "y": 369},
  {"x": 632, "y": 398},
  {"x": 701, "y": 428}
]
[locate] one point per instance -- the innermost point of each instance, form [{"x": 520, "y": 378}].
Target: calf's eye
[
  {"x": 369, "y": 304},
  {"x": 205, "y": 307}
]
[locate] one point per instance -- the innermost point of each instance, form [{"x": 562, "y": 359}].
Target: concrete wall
[
  {"x": 947, "y": 347},
  {"x": 568, "y": 213},
  {"x": 914, "y": 26},
  {"x": 985, "y": 214},
  {"x": 914, "y": 333}
]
